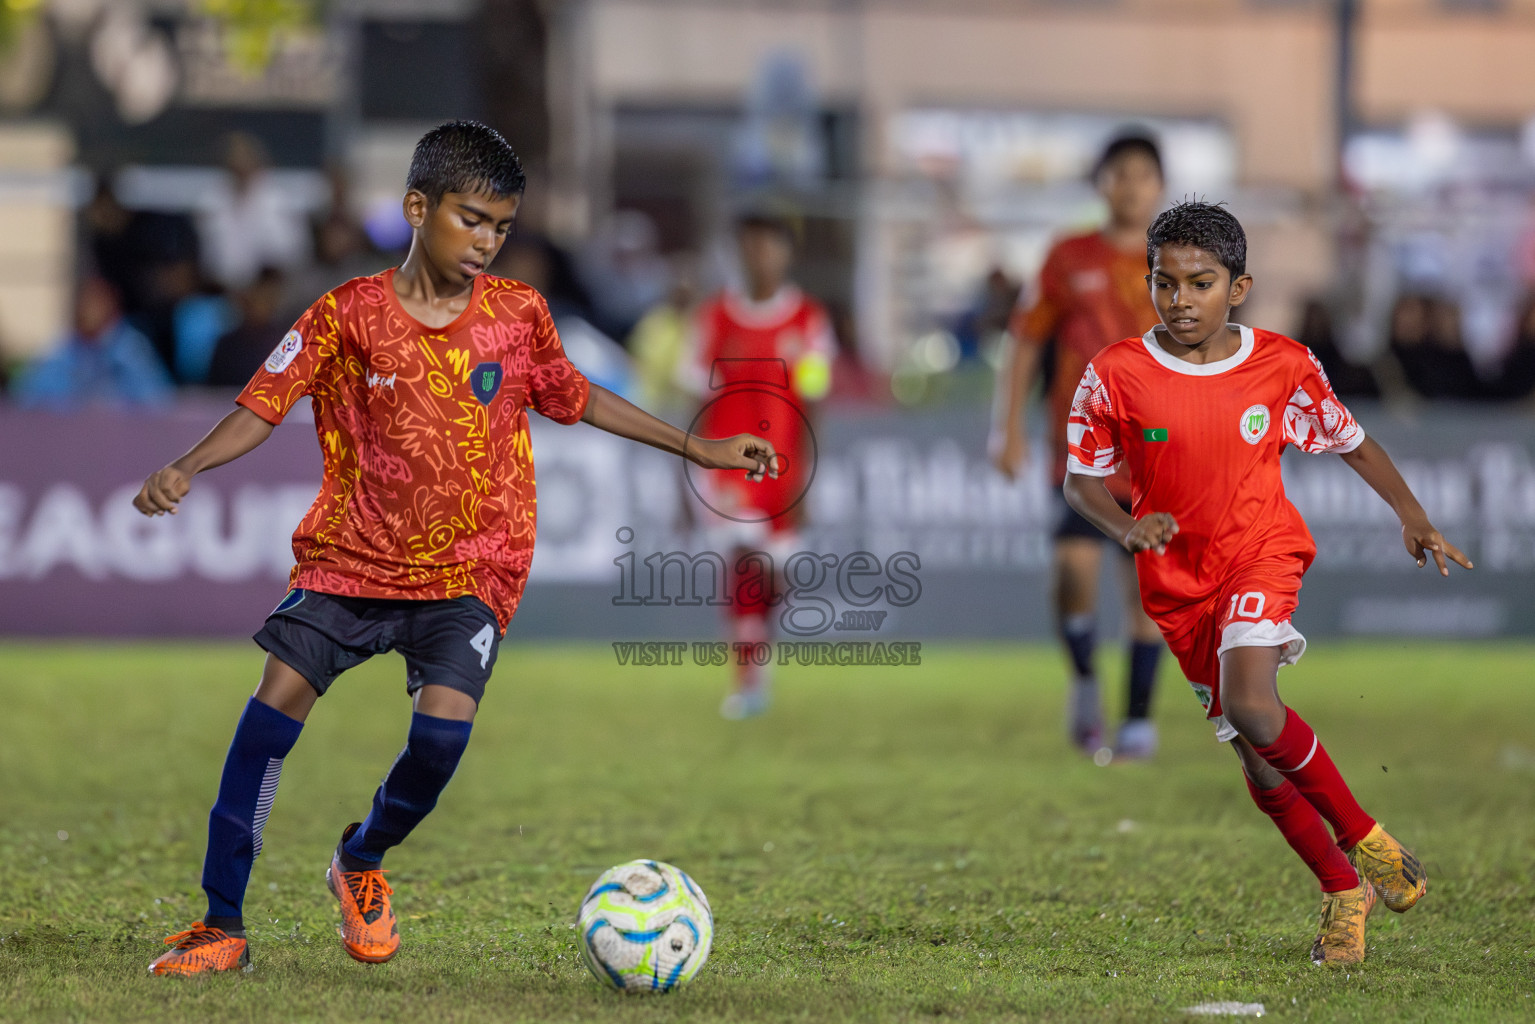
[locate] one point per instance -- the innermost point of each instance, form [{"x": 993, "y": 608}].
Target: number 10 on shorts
[{"x": 1247, "y": 606}]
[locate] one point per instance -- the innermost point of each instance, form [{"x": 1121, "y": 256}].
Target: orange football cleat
[
  {"x": 1340, "y": 936},
  {"x": 369, "y": 932},
  {"x": 200, "y": 949},
  {"x": 1391, "y": 868}
]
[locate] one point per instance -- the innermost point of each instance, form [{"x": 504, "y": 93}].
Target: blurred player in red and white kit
[
  {"x": 761, "y": 355},
  {"x": 1091, "y": 293},
  {"x": 1199, "y": 411}
]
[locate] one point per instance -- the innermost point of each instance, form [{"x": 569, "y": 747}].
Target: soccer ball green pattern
[{"x": 645, "y": 926}]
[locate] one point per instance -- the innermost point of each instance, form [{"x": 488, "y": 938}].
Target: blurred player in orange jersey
[
  {"x": 761, "y": 356},
  {"x": 1200, "y": 411},
  {"x": 1091, "y": 293},
  {"x": 420, "y": 380}
]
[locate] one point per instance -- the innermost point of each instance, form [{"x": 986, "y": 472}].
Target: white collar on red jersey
[
  {"x": 1177, "y": 365},
  {"x": 773, "y": 310}
]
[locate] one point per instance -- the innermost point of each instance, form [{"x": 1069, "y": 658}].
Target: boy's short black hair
[
  {"x": 464, "y": 156},
  {"x": 1207, "y": 226},
  {"x": 769, "y": 215},
  {"x": 1128, "y": 141}
]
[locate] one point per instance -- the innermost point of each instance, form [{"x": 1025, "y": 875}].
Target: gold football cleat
[
  {"x": 1340, "y": 936},
  {"x": 1391, "y": 868}
]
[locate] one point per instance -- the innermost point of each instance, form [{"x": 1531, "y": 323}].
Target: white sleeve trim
[
  {"x": 1080, "y": 468},
  {"x": 1351, "y": 443}
]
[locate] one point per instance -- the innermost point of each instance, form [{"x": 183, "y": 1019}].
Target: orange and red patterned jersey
[
  {"x": 744, "y": 366},
  {"x": 428, "y": 489},
  {"x": 1203, "y": 442},
  {"x": 1090, "y": 295}
]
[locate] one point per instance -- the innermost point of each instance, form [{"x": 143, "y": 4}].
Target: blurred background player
[
  {"x": 761, "y": 356},
  {"x": 1091, "y": 293}
]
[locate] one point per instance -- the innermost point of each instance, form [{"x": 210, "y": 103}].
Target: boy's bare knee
[
  {"x": 1263, "y": 774},
  {"x": 1076, "y": 575},
  {"x": 283, "y": 688},
  {"x": 1259, "y": 722},
  {"x": 1250, "y": 694}
]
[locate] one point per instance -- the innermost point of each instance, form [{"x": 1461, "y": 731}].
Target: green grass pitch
[{"x": 888, "y": 844}]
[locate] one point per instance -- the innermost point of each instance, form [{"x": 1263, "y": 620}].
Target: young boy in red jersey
[
  {"x": 420, "y": 540},
  {"x": 760, "y": 357},
  {"x": 1092, "y": 292},
  {"x": 1200, "y": 411}
]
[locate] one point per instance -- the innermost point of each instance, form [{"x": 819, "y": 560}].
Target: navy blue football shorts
[
  {"x": 451, "y": 642},
  {"x": 1072, "y": 524}
]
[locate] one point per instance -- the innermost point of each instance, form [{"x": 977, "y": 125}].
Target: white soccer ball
[{"x": 645, "y": 926}]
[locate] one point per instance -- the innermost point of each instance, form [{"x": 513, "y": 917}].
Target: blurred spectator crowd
[
  {"x": 176, "y": 299},
  {"x": 1425, "y": 354},
  {"x": 168, "y": 300}
]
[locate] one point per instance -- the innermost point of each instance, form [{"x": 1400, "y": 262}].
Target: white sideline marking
[{"x": 1226, "y": 1008}]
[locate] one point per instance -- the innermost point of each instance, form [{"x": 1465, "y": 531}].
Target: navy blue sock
[
  {"x": 410, "y": 790},
  {"x": 1144, "y": 657},
  {"x": 246, "y": 791},
  {"x": 1080, "y": 632}
]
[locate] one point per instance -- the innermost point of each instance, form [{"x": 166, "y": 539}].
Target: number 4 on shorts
[{"x": 483, "y": 642}]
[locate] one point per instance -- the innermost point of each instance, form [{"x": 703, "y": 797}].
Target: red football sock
[
  {"x": 751, "y": 603},
  {"x": 1302, "y": 828},
  {"x": 1304, "y": 761},
  {"x": 747, "y": 629}
]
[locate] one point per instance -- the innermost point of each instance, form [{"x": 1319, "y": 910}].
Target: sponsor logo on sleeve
[
  {"x": 286, "y": 351},
  {"x": 1254, "y": 423}
]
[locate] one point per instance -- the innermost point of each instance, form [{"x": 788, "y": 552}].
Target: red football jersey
[
  {"x": 428, "y": 489},
  {"x": 743, "y": 366},
  {"x": 1202, "y": 442},
  {"x": 1090, "y": 295}
]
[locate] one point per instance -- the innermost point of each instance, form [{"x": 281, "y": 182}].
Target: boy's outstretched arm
[
  {"x": 1008, "y": 444},
  {"x": 1090, "y": 496},
  {"x": 235, "y": 434},
  {"x": 607, "y": 411},
  {"x": 1372, "y": 463}
]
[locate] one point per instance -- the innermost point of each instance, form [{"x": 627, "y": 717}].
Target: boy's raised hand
[
  {"x": 1423, "y": 540},
  {"x": 163, "y": 491},
  {"x": 744, "y": 451},
  {"x": 1151, "y": 533}
]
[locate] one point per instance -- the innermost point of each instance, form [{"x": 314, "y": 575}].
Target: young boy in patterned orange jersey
[
  {"x": 1200, "y": 412},
  {"x": 420, "y": 540}
]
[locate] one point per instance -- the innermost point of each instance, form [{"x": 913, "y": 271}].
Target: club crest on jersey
[
  {"x": 485, "y": 381},
  {"x": 286, "y": 351},
  {"x": 1255, "y": 423}
]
